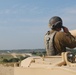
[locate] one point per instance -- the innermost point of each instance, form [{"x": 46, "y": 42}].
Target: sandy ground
[{"x": 6, "y": 70}]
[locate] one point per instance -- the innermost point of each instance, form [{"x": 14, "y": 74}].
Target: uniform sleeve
[{"x": 67, "y": 39}]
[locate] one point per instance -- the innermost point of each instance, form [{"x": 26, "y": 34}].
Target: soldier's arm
[{"x": 67, "y": 39}]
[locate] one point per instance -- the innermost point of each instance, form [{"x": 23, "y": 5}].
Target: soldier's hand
[{"x": 65, "y": 29}]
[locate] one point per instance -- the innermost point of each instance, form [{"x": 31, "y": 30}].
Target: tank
[{"x": 65, "y": 64}]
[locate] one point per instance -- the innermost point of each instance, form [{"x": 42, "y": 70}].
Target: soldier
[{"x": 58, "y": 38}]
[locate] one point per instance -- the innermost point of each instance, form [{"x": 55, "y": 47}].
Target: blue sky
[{"x": 23, "y": 23}]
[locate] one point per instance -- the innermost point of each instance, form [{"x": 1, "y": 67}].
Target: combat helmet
[{"x": 55, "y": 22}]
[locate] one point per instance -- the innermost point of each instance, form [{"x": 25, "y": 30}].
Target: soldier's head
[{"x": 55, "y": 23}]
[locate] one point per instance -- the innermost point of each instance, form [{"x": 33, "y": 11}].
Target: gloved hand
[{"x": 65, "y": 29}]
